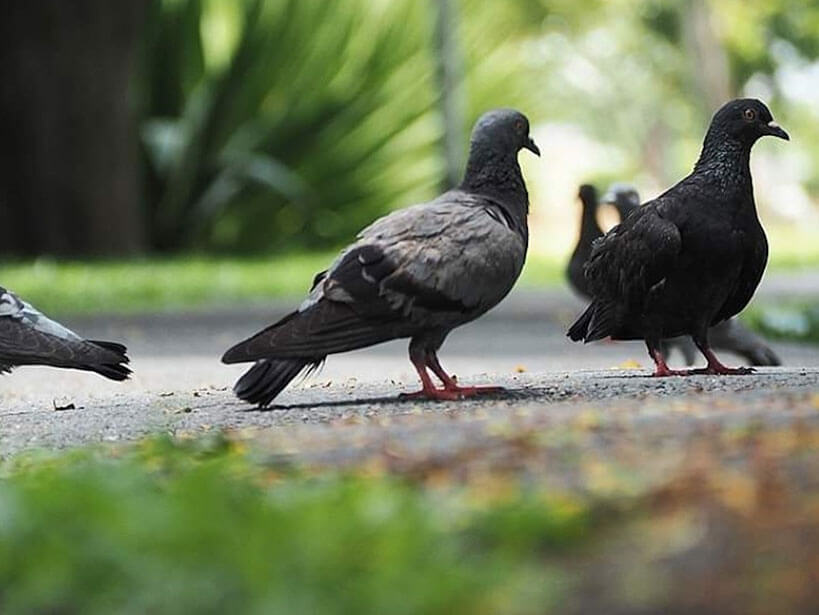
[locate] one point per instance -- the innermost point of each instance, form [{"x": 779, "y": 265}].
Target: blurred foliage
[
  {"x": 185, "y": 282},
  {"x": 203, "y": 526},
  {"x": 275, "y": 124},
  {"x": 286, "y": 121},
  {"x": 791, "y": 321},
  {"x": 157, "y": 284}
]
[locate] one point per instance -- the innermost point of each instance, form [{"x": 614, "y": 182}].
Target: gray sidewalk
[{"x": 179, "y": 382}]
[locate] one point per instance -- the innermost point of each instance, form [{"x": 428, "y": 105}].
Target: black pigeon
[
  {"x": 27, "y": 337},
  {"x": 730, "y": 335},
  {"x": 692, "y": 257},
  {"x": 417, "y": 273},
  {"x": 589, "y": 231}
]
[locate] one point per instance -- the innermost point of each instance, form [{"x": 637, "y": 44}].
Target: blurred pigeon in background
[
  {"x": 692, "y": 257},
  {"x": 417, "y": 273},
  {"x": 589, "y": 231},
  {"x": 27, "y": 337}
]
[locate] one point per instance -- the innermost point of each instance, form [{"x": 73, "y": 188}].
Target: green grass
[
  {"x": 183, "y": 282},
  {"x": 204, "y": 526},
  {"x": 160, "y": 284}
]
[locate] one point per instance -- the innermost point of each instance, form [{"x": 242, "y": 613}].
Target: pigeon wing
[
  {"x": 434, "y": 265},
  {"x": 634, "y": 257}
]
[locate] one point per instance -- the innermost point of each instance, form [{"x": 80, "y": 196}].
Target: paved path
[{"x": 179, "y": 383}]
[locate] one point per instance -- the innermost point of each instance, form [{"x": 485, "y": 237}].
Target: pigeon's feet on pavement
[
  {"x": 722, "y": 370},
  {"x": 452, "y": 393},
  {"x": 663, "y": 371},
  {"x": 432, "y": 394},
  {"x": 476, "y": 391}
]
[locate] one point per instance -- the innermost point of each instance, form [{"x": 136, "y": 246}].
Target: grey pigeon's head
[
  {"x": 623, "y": 196},
  {"x": 503, "y": 131},
  {"x": 744, "y": 120}
]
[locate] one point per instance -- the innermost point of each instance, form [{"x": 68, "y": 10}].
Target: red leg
[
  {"x": 450, "y": 384},
  {"x": 428, "y": 390},
  {"x": 715, "y": 367},
  {"x": 662, "y": 370}
]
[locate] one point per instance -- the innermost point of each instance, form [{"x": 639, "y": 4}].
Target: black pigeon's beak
[
  {"x": 530, "y": 145},
  {"x": 775, "y": 130}
]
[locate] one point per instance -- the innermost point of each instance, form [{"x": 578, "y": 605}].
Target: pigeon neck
[
  {"x": 497, "y": 175},
  {"x": 589, "y": 229},
  {"x": 726, "y": 160}
]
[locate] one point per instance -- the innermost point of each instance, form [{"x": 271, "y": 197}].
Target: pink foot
[
  {"x": 433, "y": 394},
  {"x": 664, "y": 372},
  {"x": 451, "y": 393},
  {"x": 476, "y": 391},
  {"x": 722, "y": 370}
]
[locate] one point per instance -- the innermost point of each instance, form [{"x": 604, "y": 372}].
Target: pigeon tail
[
  {"x": 267, "y": 378},
  {"x": 733, "y": 336},
  {"x": 597, "y": 322},
  {"x": 115, "y": 369},
  {"x": 325, "y": 328},
  {"x": 578, "y": 330}
]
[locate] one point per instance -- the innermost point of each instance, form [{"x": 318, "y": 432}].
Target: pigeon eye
[
  {"x": 749, "y": 115},
  {"x": 519, "y": 126}
]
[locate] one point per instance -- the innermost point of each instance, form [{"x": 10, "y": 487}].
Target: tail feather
[
  {"x": 114, "y": 366},
  {"x": 112, "y": 346},
  {"x": 600, "y": 320},
  {"x": 267, "y": 378},
  {"x": 325, "y": 328},
  {"x": 578, "y": 330}
]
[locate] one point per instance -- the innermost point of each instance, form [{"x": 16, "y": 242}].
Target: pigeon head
[
  {"x": 624, "y": 197},
  {"x": 745, "y": 120},
  {"x": 503, "y": 131},
  {"x": 588, "y": 194}
]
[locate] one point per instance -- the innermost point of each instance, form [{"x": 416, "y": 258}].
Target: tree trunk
[
  {"x": 69, "y": 183},
  {"x": 448, "y": 69}
]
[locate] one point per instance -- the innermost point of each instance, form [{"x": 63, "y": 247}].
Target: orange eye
[{"x": 749, "y": 114}]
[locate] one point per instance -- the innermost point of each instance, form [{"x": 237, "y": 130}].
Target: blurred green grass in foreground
[{"x": 205, "y": 526}]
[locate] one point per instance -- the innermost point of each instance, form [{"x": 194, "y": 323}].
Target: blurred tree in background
[
  {"x": 250, "y": 125},
  {"x": 69, "y": 180}
]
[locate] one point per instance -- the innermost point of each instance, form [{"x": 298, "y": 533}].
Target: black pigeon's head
[
  {"x": 745, "y": 120},
  {"x": 623, "y": 196},
  {"x": 504, "y": 131},
  {"x": 588, "y": 195}
]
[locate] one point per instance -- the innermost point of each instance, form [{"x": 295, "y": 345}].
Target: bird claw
[
  {"x": 451, "y": 393},
  {"x": 665, "y": 372},
  {"x": 722, "y": 370},
  {"x": 433, "y": 394},
  {"x": 477, "y": 391}
]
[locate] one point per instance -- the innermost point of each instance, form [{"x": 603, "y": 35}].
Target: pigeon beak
[
  {"x": 530, "y": 145},
  {"x": 775, "y": 130}
]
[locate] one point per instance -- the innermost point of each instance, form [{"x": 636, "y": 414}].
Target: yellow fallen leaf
[
  {"x": 629, "y": 364},
  {"x": 520, "y": 369}
]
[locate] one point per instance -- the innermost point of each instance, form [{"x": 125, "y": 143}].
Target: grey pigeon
[
  {"x": 692, "y": 257},
  {"x": 589, "y": 231},
  {"x": 416, "y": 273},
  {"x": 731, "y": 335},
  {"x": 27, "y": 337}
]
